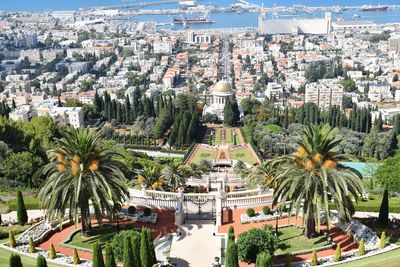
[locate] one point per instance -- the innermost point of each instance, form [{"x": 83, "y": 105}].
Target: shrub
[
  {"x": 314, "y": 258},
  {"x": 338, "y": 253},
  {"x": 75, "y": 258},
  {"x": 383, "y": 240},
  {"x": 11, "y": 239},
  {"x": 264, "y": 259},
  {"x": 128, "y": 254},
  {"x": 131, "y": 210},
  {"x": 117, "y": 243},
  {"x": 53, "y": 253},
  {"x": 231, "y": 234},
  {"x": 22, "y": 215},
  {"x": 288, "y": 260},
  {"x": 98, "y": 260},
  {"x": 146, "y": 211},
  {"x": 41, "y": 261},
  {"x": 231, "y": 257},
  {"x": 250, "y": 212},
  {"x": 361, "y": 247},
  {"x": 32, "y": 248},
  {"x": 254, "y": 241},
  {"x": 15, "y": 260},
  {"x": 266, "y": 210},
  {"x": 151, "y": 245},
  {"x": 110, "y": 259}
]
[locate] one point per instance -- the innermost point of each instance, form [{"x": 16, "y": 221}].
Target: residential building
[{"x": 325, "y": 93}]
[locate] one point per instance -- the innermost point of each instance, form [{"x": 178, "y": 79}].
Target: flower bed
[
  {"x": 261, "y": 217},
  {"x": 139, "y": 217}
]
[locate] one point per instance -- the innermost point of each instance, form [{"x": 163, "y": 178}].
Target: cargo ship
[
  {"x": 195, "y": 20},
  {"x": 374, "y": 8}
]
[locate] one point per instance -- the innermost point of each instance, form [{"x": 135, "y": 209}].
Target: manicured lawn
[
  {"x": 243, "y": 154},
  {"x": 291, "y": 239},
  {"x": 26, "y": 261},
  {"x": 224, "y": 136},
  {"x": 387, "y": 259},
  {"x": 373, "y": 205},
  {"x": 103, "y": 235},
  {"x": 204, "y": 154}
]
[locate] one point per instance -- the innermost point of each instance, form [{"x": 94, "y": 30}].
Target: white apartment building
[
  {"x": 162, "y": 47},
  {"x": 273, "y": 90},
  {"x": 67, "y": 116},
  {"x": 394, "y": 43},
  {"x": 198, "y": 38},
  {"x": 379, "y": 93},
  {"x": 325, "y": 93}
]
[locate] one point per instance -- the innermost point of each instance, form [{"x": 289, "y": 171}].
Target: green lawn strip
[
  {"x": 291, "y": 240},
  {"x": 373, "y": 205},
  {"x": 203, "y": 154},
  {"x": 243, "y": 154},
  {"x": 26, "y": 261},
  {"x": 391, "y": 258},
  {"x": 102, "y": 235}
]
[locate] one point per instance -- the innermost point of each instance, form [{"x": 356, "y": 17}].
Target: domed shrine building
[{"x": 220, "y": 94}]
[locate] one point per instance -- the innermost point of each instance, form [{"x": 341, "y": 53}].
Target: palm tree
[
  {"x": 204, "y": 166},
  {"x": 313, "y": 174},
  {"x": 151, "y": 177},
  {"x": 263, "y": 175},
  {"x": 80, "y": 172},
  {"x": 241, "y": 169},
  {"x": 173, "y": 175}
]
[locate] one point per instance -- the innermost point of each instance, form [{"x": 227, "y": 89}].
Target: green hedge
[
  {"x": 17, "y": 229},
  {"x": 30, "y": 204}
]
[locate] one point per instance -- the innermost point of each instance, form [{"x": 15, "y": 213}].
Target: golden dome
[{"x": 222, "y": 87}]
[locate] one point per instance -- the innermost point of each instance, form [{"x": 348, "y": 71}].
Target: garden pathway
[
  {"x": 232, "y": 218},
  {"x": 196, "y": 246}
]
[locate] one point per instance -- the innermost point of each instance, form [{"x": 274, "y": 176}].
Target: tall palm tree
[
  {"x": 151, "y": 177},
  {"x": 313, "y": 174},
  {"x": 264, "y": 174},
  {"x": 80, "y": 172},
  {"x": 174, "y": 175}
]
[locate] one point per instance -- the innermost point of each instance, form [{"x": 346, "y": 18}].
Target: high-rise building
[
  {"x": 325, "y": 93},
  {"x": 394, "y": 43}
]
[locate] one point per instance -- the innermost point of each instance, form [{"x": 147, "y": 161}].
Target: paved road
[{"x": 196, "y": 246}]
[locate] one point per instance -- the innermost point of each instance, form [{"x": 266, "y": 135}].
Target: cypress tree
[
  {"x": 180, "y": 140},
  {"x": 396, "y": 124},
  {"x": 110, "y": 259},
  {"x": 97, "y": 103},
  {"x": 22, "y": 215},
  {"x": 98, "y": 260},
  {"x": 128, "y": 253},
  {"x": 361, "y": 247},
  {"x": 32, "y": 248},
  {"x": 53, "y": 253},
  {"x": 136, "y": 250},
  {"x": 127, "y": 112},
  {"x": 231, "y": 234},
  {"x": 379, "y": 123},
  {"x": 338, "y": 253},
  {"x": 145, "y": 254},
  {"x": 384, "y": 209},
  {"x": 75, "y": 258},
  {"x": 264, "y": 259},
  {"x": 149, "y": 239},
  {"x": 228, "y": 113},
  {"x": 41, "y": 261},
  {"x": 11, "y": 239},
  {"x": 231, "y": 255},
  {"x": 15, "y": 260}
]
